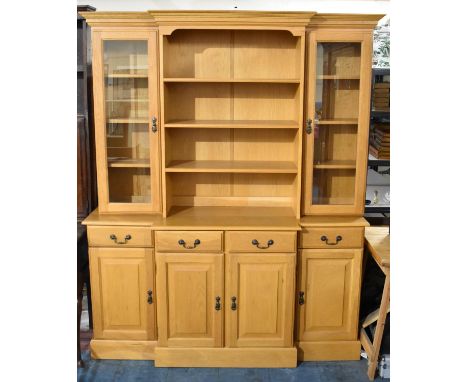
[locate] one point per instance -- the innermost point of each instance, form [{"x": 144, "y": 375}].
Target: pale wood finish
[
  {"x": 122, "y": 349},
  {"x": 346, "y": 189},
  {"x": 352, "y": 237},
  {"x": 187, "y": 286},
  {"x": 330, "y": 280},
  {"x": 227, "y": 156},
  {"x": 101, "y": 236},
  {"x": 378, "y": 243},
  {"x": 230, "y": 218},
  {"x": 263, "y": 285},
  {"x": 168, "y": 241},
  {"x": 333, "y": 221},
  {"x": 121, "y": 279},
  {"x": 226, "y": 357},
  {"x": 121, "y": 219},
  {"x": 372, "y": 317},
  {"x": 151, "y": 181},
  {"x": 329, "y": 351},
  {"x": 216, "y": 82},
  {"x": 241, "y": 241},
  {"x": 222, "y": 124}
]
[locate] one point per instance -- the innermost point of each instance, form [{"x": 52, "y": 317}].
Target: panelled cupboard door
[
  {"x": 259, "y": 299},
  {"x": 337, "y": 113},
  {"x": 126, "y": 120},
  {"x": 122, "y": 282},
  {"x": 190, "y": 299},
  {"x": 328, "y": 295}
]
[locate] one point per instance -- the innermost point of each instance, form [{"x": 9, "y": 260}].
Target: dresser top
[{"x": 259, "y": 19}]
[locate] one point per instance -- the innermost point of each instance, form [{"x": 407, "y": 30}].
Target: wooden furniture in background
[
  {"x": 203, "y": 186},
  {"x": 86, "y": 184},
  {"x": 378, "y": 244},
  {"x": 87, "y": 197}
]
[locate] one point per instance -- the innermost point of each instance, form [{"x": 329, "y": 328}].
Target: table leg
[{"x": 380, "y": 327}]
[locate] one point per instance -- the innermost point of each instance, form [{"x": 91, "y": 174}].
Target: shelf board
[
  {"x": 373, "y": 161},
  {"x": 226, "y": 166},
  {"x": 214, "y": 124},
  {"x": 338, "y": 121},
  {"x": 128, "y": 100},
  {"x": 126, "y": 75},
  {"x": 235, "y": 80},
  {"x": 377, "y": 209},
  {"x": 129, "y": 162},
  {"x": 337, "y": 77},
  {"x": 127, "y": 120},
  {"x": 229, "y": 218},
  {"x": 336, "y": 164}
]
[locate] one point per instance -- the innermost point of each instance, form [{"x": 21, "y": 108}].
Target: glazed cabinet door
[
  {"x": 328, "y": 295},
  {"x": 126, "y": 120},
  {"x": 122, "y": 292},
  {"x": 337, "y": 122},
  {"x": 259, "y": 299},
  {"x": 190, "y": 299}
]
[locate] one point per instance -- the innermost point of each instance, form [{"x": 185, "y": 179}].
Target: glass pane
[
  {"x": 333, "y": 186},
  {"x": 127, "y": 121},
  {"x": 336, "y": 122}
]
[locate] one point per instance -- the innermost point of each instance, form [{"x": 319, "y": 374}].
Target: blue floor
[{"x": 111, "y": 371}]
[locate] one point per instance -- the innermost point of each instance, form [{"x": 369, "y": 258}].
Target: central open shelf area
[{"x": 232, "y": 119}]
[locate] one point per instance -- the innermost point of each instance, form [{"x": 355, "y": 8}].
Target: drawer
[
  {"x": 189, "y": 241},
  {"x": 119, "y": 236},
  {"x": 261, "y": 241},
  {"x": 332, "y": 237}
]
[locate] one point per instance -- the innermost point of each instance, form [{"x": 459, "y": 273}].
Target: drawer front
[
  {"x": 121, "y": 236},
  {"x": 261, "y": 241},
  {"x": 332, "y": 237},
  {"x": 189, "y": 241}
]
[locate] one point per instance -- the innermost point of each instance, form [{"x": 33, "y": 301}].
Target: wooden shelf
[
  {"x": 128, "y": 100},
  {"x": 337, "y": 77},
  {"x": 234, "y": 218},
  {"x": 235, "y": 80},
  {"x": 233, "y": 167},
  {"x": 127, "y": 120},
  {"x": 132, "y": 163},
  {"x": 336, "y": 164},
  {"x": 338, "y": 121},
  {"x": 215, "y": 124},
  {"x": 126, "y": 76}
]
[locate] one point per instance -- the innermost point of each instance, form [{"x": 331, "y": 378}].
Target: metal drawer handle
[
  {"x": 233, "y": 304},
  {"x": 195, "y": 243},
  {"x": 154, "y": 124},
  {"x": 150, "y": 297},
  {"x": 337, "y": 240},
  {"x": 301, "y": 298},
  {"x": 256, "y": 243},
  {"x": 218, "y": 303},
  {"x": 113, "y": 237}
]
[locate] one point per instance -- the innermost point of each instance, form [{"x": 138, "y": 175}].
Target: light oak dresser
[{"x": 231, "y": 156}]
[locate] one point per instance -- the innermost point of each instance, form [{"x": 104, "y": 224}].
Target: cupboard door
[
  {"x": 127, "y": 121},
  {"x": 122, "y": 289},
  {"x": 337, "y": 122},
  {"x": 259, "y": 299},
  {"x": 328, "y": 296},
  {"x": 190, "y": 299}
]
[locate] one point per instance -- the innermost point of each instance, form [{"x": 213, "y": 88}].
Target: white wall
[{"x": 323, "y": 6}]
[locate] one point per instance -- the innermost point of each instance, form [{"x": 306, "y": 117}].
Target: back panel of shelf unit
[{"x": 225, "y": 54}]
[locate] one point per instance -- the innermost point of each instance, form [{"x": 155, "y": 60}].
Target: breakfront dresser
[{"x": 231, "y": 152}]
